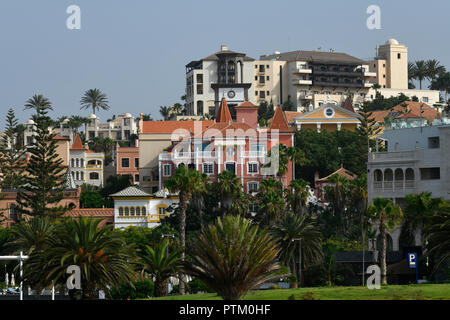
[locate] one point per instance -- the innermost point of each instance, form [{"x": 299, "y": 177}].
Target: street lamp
[{"x": 299, "y": 260}]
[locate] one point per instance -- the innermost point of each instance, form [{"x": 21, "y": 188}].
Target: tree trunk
[
  {"x": 293, "y": 284},
  {"x": 182, "y": 237},
  {"x": 383, "y": 252},
  {"x": 160, "y": 288}
]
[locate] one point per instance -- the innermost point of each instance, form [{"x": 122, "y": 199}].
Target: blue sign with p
[{"x": 412, "y": 260}]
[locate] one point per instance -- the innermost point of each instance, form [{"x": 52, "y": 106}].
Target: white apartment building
[
  {"x": 117, "y": 129},
  {"x": 417, "y": 160},
  {"x": 226, "y": 74},
  {"x": 310, "y": 79}
]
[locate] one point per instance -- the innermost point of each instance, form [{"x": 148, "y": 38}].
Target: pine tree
[
  {"x": 45, "y": 174},
  {"x": 12, "y": 155},
  {"x": 367, "y": 128}
]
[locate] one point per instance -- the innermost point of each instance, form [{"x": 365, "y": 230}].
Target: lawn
[{"x": 389, "y": 292}]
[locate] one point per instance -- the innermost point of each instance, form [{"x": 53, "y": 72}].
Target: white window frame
[
  {"x": 252, "y": 163},
  {"x": 170, "y": 169},
  {"x": 209, "y": 164},
  {"x": 229, "y": 162},
  {"x": 248, "y": 186}
]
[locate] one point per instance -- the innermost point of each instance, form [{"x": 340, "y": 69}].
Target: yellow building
[{"x": 328, "y": 117}]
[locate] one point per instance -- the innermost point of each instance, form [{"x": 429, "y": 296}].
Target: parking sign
[{"x": 412, "y": 260}]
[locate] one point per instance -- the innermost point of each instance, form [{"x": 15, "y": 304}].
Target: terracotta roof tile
[
  {"x": 224, "y": 115},
  {"x": 348, "y": 105},
  {"x": 342, "y": 172},
  {"x": 291, "y": 115},
  {"x": 279, "y": 121},
  {"x": 77, "y": 144},
  {"x": 247, "y": 104},
  {"x": 86, "y": 212}
]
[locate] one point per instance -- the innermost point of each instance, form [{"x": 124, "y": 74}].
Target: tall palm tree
[
  {"x": 31, "y": 235},
  {"x": 38, "y": 102},
  {"x": 95, "y": 99},
  {"x": 165, "y": 112},
  {"x": 232, "y": 257},
  {"x": 437, "y": 233},
  {"x": 229, "y": 188},
  {"x": 337, "y": 195},
  {"x": 442, "y": 83},
  {"x": 271, "y": 203},
  {"x": 411, "y": 75},
  {"x": 160, "y": 265},
  {"x": 434, "y": 69},
  {"x": 291, "y": 227},
  {"x": 102, "y": 255},
  {"x": 297, "y": 195},
  {"x": 186, "y": 182},
  {"x": 420, "y": 71},
  {"x": 419, "y": 208},
  {"x": 387, "y": 215}
]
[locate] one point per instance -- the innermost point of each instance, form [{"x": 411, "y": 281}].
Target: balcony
[
  {"x": 93, "y": 166},
  {"x": 302, "y": 70},
  {"x": 302, "y": 82},
  {"x": 370, "y": 74},
  {"x": 254, "y": 154},
  {"x": 166, "y": 156},
  {"x": 392, "y": 156}
]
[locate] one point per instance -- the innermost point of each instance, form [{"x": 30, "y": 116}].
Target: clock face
[{"x": 231, "y": 94}]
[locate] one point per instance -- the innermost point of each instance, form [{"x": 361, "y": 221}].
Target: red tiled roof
[
  {"x": 171, "y": 126},
  {"x": 342, "y": 172},
  {"x": 279, "y": 121},
  {"x": 379, "y": 115},
  {"x": 407, "y": 109},
  {"x": 247, "y": 105},
  {"x": 59, "y": 137},
  {"x": 224, "y": 115},
  {"x": 291, "y": 115},
  {"x": 87, "y": 212},
  {"x": 348, "y": 105},
  {"x": 77, "y": 144}
]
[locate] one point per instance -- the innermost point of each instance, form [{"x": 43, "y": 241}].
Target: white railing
[
  {"x": 393, "y": 155},
  {"x": 187, "y": 155},
  {"x": 254, "y": 154}
]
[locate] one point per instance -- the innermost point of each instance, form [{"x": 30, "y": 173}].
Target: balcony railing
[
  {"x": 187, "y": 155},
  {"x": 392, "y": 156},
  {"x": 392, "y": 186},
  {"x": 94, "y": 166},
  {"x": 254, "y": 154}
]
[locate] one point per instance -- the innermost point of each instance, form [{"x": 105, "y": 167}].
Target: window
[
  {"x": 146, "y": 178},
  {"x": 136, "y": 163},
  {"x": 208, "y": 168},
  {"x": 252, "y": 167},
  {"x": 230, "y": 151},
  {"x": 138, "y": 211},
  {"x": 329, "y": 112},
  {"x": 433, "y": 142},
  {"x": 267, "y": 66},
  {"x": 132, "y": 211},
  {"x": 262, "y": 94},
  {"x": 253, "y": 207},
  {"x": 125, "y": 162},
  {"x": 143, "y": 211},
  {"x": 267, "y": 78},
  {"x": 127, "y": 211},
  {"x": 268, "y": 93},
  {"x": 155, "y": 176},
  {"x": 73, "y": 162},
  {"x": 161, "y": 211},
  {"x": 136, "y": 178},
  {"x": 230, "y": 166},
  {"x": 425, "y": 99},
  {"x": 120, "y": 211},
  {"x": 212, "y": 110},
  {"x": 167, "y": 170},
  {"x": 261, "y": 68},
  {"x": 82, "y": 175},
  {"x": 256, "y": 93},
  {"x": 430, "y": 173},
  {"x": 252, "y": 187},
  {"x": 399, "y": 56},
  {"x": 261, "y": 79},
  {"x": 199, "y": 78},
  {"x": 256, "y": 78},
  {"x": 256, "y": 66},
  {"x": 384, "y": 76},
  {"x": 12, "y": 212},
  {"x": 93, "y": 176}
]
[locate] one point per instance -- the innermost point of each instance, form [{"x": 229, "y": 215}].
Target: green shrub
[{"x": 142, "y": 289}]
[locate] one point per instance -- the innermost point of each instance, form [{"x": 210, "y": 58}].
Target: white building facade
[{"x": 118, "y": 129}]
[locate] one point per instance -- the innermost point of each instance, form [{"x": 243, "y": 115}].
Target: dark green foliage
[
  {"x": 95, "y": 99},
  {"x": 382, "y": 103},
  {"x": 114, "y": 184},
  {"x": 138, "y": 290},
  {"x": 91, "y": 198},
  {"x": 265, "y": 113}
]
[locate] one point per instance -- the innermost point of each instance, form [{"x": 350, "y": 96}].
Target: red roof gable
[
  {"x": 348, "y": 105},
  {"x": 279, "y": 121},
  {"x": 224, "y": 114},
  {"x": 77, "y": 144},
  {"x": 247, "y": 105}
]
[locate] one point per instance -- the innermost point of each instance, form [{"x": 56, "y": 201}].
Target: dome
[
  {"x": 92, "y": 116},
  {"x": 392, "y": 41},
  {"x": 30, "y": 122},
  {"x": 128, "y": 115},
  {"x": 65, "y": 121}
]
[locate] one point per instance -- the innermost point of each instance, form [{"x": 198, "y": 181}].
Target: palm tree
[
  {"x": 232, "y": 257},
  {"x": 442, "y": 83},
  {"x": 186, "y": 182},
  {"x": 177, "y": 108},
  {"x": 165, "y": 112},
  {"x": 387, "y": 215},
  {"x": 38, "y": 102},
  {"x": 271, "y": 203},
  {"x": 102, "y": 255},
  {"x": 297, "y": 195},
  {"x": 160, "y": 265},
  {"x": 419, "y": 208},
  {"x": 411, "y": 75},
  {"x": 95, "y": 99},
  {"x": 434, "y": 69},
  {"x": 437, "y": 233},
  {"x": 32, "y": 235},
  {"x": 291, "y": 227},
  {"x": 229, "y": 188},
  {"x": 420, "y": 71},
  {"x": 337, "y": 195}
]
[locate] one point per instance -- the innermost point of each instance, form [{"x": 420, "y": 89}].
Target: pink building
[
  {"x": 240, "y": 147},
  {"x": 128, "y": 161}
]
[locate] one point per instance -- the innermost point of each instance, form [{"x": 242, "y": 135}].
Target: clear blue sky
[{"x": 135, "y": 50}]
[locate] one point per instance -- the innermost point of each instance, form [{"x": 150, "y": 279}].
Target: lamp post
[{"x": 299, "y": 260}]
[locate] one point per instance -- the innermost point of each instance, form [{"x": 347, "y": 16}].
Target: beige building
[{"x": 269, "y": 79}]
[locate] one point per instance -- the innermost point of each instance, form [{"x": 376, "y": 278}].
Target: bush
[
  {"x": 309, "y": 296},
  {"x": 142, "y": 289},
  {"x": 195, "y": 286}
]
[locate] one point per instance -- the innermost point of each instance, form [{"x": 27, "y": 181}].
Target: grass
[{"x": 388, "y": 292}]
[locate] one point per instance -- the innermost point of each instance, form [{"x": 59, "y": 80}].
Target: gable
[{"x": 338, "y": 113}]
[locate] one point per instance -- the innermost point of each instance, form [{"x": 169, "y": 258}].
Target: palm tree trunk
[
  {"x": 160, "y": 288},
  {"x": 293, "y": 284},
  {"x": 383, "y": 252},
  {"x": 182, "y": 237}
]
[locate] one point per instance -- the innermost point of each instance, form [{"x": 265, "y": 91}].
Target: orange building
[{"x": 128, "y": 162}]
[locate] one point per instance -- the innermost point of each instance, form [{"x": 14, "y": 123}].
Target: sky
[{"x": 135, "y": 51}]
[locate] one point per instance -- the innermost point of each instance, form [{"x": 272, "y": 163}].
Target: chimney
[{"x": 223, "y": 47}]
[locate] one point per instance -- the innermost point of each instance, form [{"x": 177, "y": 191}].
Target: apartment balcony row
[
  {"x": 338, "y": 83},
  {"x": 169, "y": 156},
  {"x": 391, "y": 186}
]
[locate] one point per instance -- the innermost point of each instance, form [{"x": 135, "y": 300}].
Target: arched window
[
  {"x": 409, "y": 174},
  {"x": 94, "y": 176},
  {"x": 72, "y": 162},
  {"x": 120, "y": 211},
  {"x": 78, "y": 176},
  {"x": 200, "y": 107},
  {"x": 143, "y": 212},
  {"x": 78, "y": 162},
  {"x": 138, "y": 211},
  {"x": 132, "y": 211},
  {"x": 127, "y": 211},
  {"x": 82, "y": 175},
  {"x": 82, "y": 162}
]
